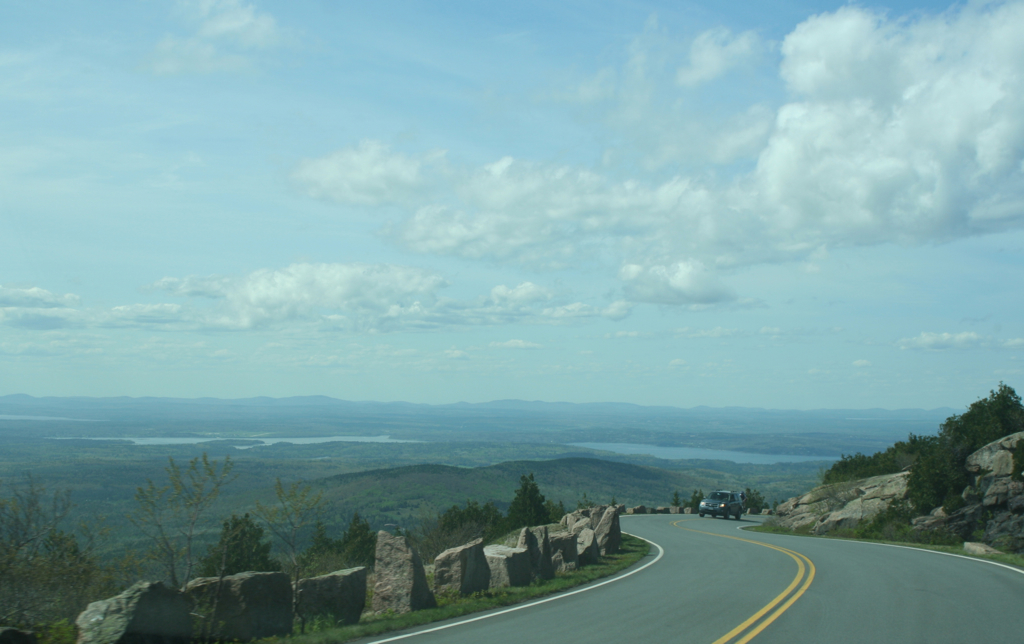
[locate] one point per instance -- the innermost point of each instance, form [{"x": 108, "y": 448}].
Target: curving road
[{"x": 717, "y": 584}]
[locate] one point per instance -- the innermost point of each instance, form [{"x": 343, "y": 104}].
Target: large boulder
[
  {"x": 146, "y": 613},
  {"x": 246, "y": 606},
  {"x": 587, "y": 550},
  {"x": 10, "y": 635},
  {"x": 564, "y": 557},
  {"x": 463, "y": 569},
  {"x": 508, "y": 566},
  {"x": 401, "y": 581},
  {"x": 607, "y": 533},
  {"x": 639, "y": 509},
  {"x": 341, "y": 594},
  {"x": 842, "y": 505},
  {"x": 537, "y": 543}
]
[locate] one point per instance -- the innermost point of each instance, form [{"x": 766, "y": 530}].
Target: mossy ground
[{"x": 452, "y": 606}]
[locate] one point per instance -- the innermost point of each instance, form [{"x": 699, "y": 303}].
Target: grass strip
[
  {"x": 452, "y": 606},
  {"x": 1009, "y": 559}
]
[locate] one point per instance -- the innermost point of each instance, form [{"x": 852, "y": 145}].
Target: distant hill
[{"x": 403, "y": 494}]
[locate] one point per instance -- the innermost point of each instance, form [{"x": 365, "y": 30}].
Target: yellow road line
[{"x": 804, "y": 566}]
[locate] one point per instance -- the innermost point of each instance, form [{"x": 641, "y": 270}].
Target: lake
[
  {"x": 692, "y": 453},
  {"x": 263, "y": 441}
]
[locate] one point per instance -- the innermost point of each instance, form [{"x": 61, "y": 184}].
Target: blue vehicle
[{"x": 722, "y": 503}]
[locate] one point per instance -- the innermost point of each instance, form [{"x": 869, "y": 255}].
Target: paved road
[{"x": 716, "y": 584}]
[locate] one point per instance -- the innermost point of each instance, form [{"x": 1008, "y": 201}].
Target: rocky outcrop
[
  {"x": 10, "y": 635},
  {"x": 639, "y": 509},
  {"x": 401, "y": 584},
  {"x": 246, "y": 606},
  {"x": 994, "y": 502},
  {"x": 341, "y": 594},
  {"x": 508, "y": 566},
  {"x": 842, "y": 505},
  {"x": 146, "y": 613},
  {"x": 537, "y": 543},
  {"x": 564, "y": 557},
  {"x": 978, "y": 548},
  {"x": 607, "y": 533},
  {"x": 463, "y": 569}
]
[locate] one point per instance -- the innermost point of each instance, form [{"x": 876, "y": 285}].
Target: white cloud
[
  {"x": 1015, "y": 343},
  {"x": 898, "y": 130},
  {"x": 515, "y": 344},
  {"x": 225, "y": 33},
  {"x": 940, "y": 341},
  {"x": 716, "y": 51},
  {"x": 525, "y": 293},
  {"x": 369, "y": 174},
  {"x": 681, "y": 283},
  {"x": 34, "y": 298},
  {"x": 717, "y": 332},
  {"x": 862, "y": 363},
  {"x": 678, "y": 362}
]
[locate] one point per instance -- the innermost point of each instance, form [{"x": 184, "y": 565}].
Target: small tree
[
  {"x": 695, "y": 499},
  {"x": 241, "y": 548},
  {"x": 297, "y": 507},
  {"x": 676, "y": 501},
  {"x": 557, "y": 510},
  {"x": 527, "y": 508},
  {"x": 172, "y": 515},
  {"x": 755, "y": 500},
  {"x": 584, "y": 503}
]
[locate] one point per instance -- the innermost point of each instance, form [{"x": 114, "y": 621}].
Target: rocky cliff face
[
  {"x": 842, "y": 505},
  {"x": 994, "y": 502}
]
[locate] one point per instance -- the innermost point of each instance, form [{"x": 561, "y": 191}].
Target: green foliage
[
  {"x": 584, "y": 503},
  {"x": 557, "y": 510},
  {"x": 894, "y": 524},
  {"x": 171, "y": 516},
  {"x": 527, "y": 508},
  {"x": 46, "y": 574},
  {"x": 456, "y": 526},
  {"x": 695, "y": 499},
  {"x": 356, "y": 547},
  {"x": 892, "y": 460},
  {"x": 241, "y": 548},
  {"x": 939, "y": 477},
  {"x": 755, "y": 500},
  {"x": 676, "y": 501}
]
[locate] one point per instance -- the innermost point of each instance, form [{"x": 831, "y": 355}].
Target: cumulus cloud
[
  {"x": 225, "y": 31},
  {"x": 368, "y": 174},
  {"x": 941, "y": 341},
  {"x": 681, "y": 283},
  {"x": 894, "y": 130},
  {"x": 516, "y": 344},
  {"x": 34, "y": 298},
  {"x": 862, "y": 363},
  {"x": 716, "y": 51}
]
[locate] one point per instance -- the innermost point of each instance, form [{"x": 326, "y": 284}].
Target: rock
[
  {"x": 640, "y": 509},
  {"x": 10, "y": 635},
  {"x": 961, "y": 523},
  {"x": 842, "y": 505},
  {"x": 688, "y": 510},
  {"x": 341, "y": 594},
  {"x": 463, "y": 569},
  {"x": 996, "y": 458},
  {"x": 508, "y": 566},
  {"x": 401, "y": 581},
  {"x": 663, "y": 509},
  {"x": 607, "y": 533},
  {"x": 583, "y": 522},
  {"x": 766, "y": 511},
  {"x": 587, "y": 549},
  {"x": 675, "y": 509},
  {"x": 146, "y": 613},
  {"x": 564, "y": 556},
  {"x": 536, "y": 542},
  {"x": 620, "y": 508},
  {"x": 978, "y": 548},
  {"x": 246, "y": 606}
]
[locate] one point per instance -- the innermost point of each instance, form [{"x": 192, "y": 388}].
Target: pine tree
[{"x": 527, "y": 508}]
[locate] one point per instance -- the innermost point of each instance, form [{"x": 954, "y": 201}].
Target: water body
[
  {"x": 262, "y": 441},
  {"x": 77, "y": 420},
  {"x": 692, "y": 453}
]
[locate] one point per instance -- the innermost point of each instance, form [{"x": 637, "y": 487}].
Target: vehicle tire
[
  {"x": 701, "y": 514},
  {"x": 726, "y": 515},
  {"x": 738, "y": 514}
]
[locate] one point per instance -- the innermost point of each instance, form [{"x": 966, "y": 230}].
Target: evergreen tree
[
  {"x": 676, "y": 501},
  {"x": 359, "y": 543},
  {"x": 241, "y": 548},
  {"x": 695, "y": 499},
  {"x": 527, "y": 508},
  {"x": 555, "y": 510}
]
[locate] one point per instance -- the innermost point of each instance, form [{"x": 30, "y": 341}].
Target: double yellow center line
[{"x": 761, "y": 619}]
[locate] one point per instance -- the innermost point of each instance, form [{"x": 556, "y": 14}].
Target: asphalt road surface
[{"x": 708, "y": 581}]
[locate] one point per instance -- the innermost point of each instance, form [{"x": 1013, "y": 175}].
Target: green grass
[
  {"x": 451, "y": 606},
  {"x": 1010, "y": 559}
]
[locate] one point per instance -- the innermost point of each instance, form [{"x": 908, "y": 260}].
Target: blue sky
[{"x": 801, "y": 205}]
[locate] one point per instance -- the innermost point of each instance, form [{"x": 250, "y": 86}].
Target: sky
[{"x": 788, "y": 205}]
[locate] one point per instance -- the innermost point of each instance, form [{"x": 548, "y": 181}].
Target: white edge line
[
  {"x": 661, "y": 553},
  {"x": 934, "y": 552}
]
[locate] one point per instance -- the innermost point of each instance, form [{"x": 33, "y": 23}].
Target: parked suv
[{"x": 722, "y": 502}]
